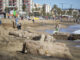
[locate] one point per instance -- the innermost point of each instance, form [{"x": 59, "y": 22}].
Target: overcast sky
[{"x": 66, "y": 3}]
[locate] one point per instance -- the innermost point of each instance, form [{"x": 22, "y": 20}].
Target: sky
[{"x": 66, "y": 3}]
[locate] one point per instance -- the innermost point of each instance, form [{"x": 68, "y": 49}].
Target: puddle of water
[
  {"x": 49, "y": 31},
  {"x": 77, "y": 46},
  {"x": 77, "y": 41}
]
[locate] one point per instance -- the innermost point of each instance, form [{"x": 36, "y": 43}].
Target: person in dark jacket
[{"x": 19, "y": 26}]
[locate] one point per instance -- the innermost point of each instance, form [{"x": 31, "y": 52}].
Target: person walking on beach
[
  {"x": 14, "y": 25},
  {"x": 33, "y": 20}
]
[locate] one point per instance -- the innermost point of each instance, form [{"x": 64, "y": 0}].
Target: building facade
[
  {"x": 1, "y": 5},
  {"x": 29, "y": 5},
  {"x": 12, "y": 4},
  {"x": 47, "y": 8}
]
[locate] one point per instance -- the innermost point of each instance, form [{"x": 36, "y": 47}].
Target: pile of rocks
[
  {"x": 61, "y": 36},
  {"x": 46, "y": 47},
  {"x": 42, "y": 44},
  {"x": 31, "y": 35},
  {"x": 23, "y": 34}
]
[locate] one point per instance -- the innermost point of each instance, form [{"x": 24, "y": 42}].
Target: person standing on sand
[
  {"x": 13, "y": 24},
  {"x": 19, "y": 26},
  {"x": 16, "y": 21},
  {"x": 33, "y": 20},
  {"x": 57, "y": 28}
]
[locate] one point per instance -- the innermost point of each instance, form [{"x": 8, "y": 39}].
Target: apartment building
[
  {"x": 1, "y": 5},
  {"x": 12, "y": 4},
  {"x": 29, "y": 5},
  {"x": 47, "y": 8}
]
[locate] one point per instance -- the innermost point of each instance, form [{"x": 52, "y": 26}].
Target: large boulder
[
  {"x": 21, "y": 33},
  {"x": 32, "y": 36},
  {"x": 55, "y": 49},
  {"x": 16, "y": 33},
  {"x": 75, "y": 36}
]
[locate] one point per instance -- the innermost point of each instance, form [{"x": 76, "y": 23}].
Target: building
[
  {"x": 73, "y": 12},
  {"x": 29, "y": 5},
  {"x": 47, "y": 8},
  {"x": 33, "y": 5},
  {"x": 19, "y": 5},
  {"x": 12, "y": 4},
  {"x": 38, "y": 7},
  {"x": 1, "y": 5}
]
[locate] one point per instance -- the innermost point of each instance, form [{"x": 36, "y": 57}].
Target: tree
[
  {"x": 75, "y": 15},
  {"x": 24, "y": 7},
  {"x": 59, "y": 11},
  {"x": 70, "y": 12},
  {"x": 6, "y": 9},
  {"x": 43, "y": 11},
  {"x": 55, "y": 6},
  {"x": 56, "y": 10}
]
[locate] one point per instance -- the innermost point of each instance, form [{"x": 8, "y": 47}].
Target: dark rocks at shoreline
[{"x": 66, "y": 36}]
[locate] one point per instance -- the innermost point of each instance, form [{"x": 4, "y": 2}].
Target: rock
[
  {"x": 55, "y": 49},
  {"x": 42, "y": 38},
  {"x": 31, "y": 46},
  {"x": 61, "y": 36},
  {"x": 14, "y": 33},
  {"x": 33, "y": 36},
  {"x": 23, "y": 34},
  {"x": 75, "y": 36},
  {"x": 49, "y": 38}
]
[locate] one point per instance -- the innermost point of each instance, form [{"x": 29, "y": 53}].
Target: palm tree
[
  {"x": 56, "y": 10},
  {"x": 6, "y": 9}
]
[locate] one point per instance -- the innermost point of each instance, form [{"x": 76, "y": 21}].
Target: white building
[
  {"x": 47, "y": 8},
  {"x": 19, "y": 5},
  {"x": 33, "y": 5}
]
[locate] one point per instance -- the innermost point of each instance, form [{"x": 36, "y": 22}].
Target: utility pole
[
  {"x": 62, "y": 4},
  {"x": 62, "y": 10},
  {"x": 71, "y": 6}
]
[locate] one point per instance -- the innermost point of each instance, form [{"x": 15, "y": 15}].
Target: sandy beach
[{"x": 11, "y": 46}]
